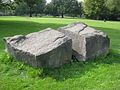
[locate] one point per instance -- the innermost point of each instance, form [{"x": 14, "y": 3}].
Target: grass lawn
[{"x": 102, "y": 73}]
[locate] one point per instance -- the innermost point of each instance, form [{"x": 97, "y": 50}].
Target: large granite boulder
[
  {"x": 46, "y": 48},
  {"x": 87, "y": 42}
]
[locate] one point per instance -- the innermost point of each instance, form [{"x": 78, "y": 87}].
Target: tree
[
  {"x": 113, "y": 4},
  {"x": 55, "y": 6},
  {"x": 114, "y": 7},
  {"x": 39, "y": 6},
  {"x": 21, "y": 9},
  {"x": 49, "y": 9},
  {"x": 95, "y": 9},
  {"x": 0, "y": 2},
  {"x": 30, "y": 4},
  {"x": 61, "y": 7},
  {"x": 6, "y": 7},
  {"x": 74, "y": 8},
  {"x": 80, "y": 9}
]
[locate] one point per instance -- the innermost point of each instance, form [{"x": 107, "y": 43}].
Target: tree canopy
[
  {"x": 113, "y": 4},
  {"x": 62, "y": 7},
  {"x": 101, "y": 9},
  {"x": 94, "y": 9}
]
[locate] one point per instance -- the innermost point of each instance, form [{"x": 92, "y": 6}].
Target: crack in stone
[
  {"x": 82, "y": 29},
  {"x": 59, "y": 38}
]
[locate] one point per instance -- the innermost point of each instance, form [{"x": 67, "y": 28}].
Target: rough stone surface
[
  {"x": 46, "y": 48},
  {"x": 87, "y": 42}
]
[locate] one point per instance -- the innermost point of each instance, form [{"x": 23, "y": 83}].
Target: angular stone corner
[
  {"x": 87, "y": 43},
  {"x": 46, "y": 48}
]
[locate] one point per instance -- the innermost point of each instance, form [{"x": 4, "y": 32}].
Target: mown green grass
[{"x": 102, "y": 73}]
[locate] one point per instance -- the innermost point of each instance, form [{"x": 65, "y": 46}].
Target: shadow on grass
[
  {"x": 78, "y": 69},
  {"x": 71, "y": 70},
  {"x": 11, "y": 28}
]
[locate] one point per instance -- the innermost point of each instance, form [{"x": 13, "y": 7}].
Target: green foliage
[
  {"x": 17, "y": 67},
  {"x": 21, "y": 9},
  {"x": 61, "y": 7},
  {"x": 74, "y": 8},
  {"x": 113, "y": 4},
  {"x": 30, "y": 3},
  {"x": 39, "y": 7},
  {"x": 0, "y": 3},
  {"x": 30, "y": 6},
  {"x": 114, "y": 7},
  {"x": 48, "y": 9},
  {"x": 102, "y": 73},
  {"x": 7, "y": 8},
  {"x": 6, "y": 58},
  {"x": 95, "y": 9},
  {"x": 100, "y": 9}
]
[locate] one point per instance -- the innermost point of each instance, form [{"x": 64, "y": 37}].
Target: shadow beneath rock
[
  {"x": 78, "y": 69},
  {"x": 72, "y": 70}
]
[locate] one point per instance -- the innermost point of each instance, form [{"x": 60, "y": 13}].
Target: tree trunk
[
  {"x": 30, "y": 13},
  {"x": 62, "y": 15}
]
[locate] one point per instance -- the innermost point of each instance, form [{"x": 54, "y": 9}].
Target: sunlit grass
[{"x": 102, "y": 73}]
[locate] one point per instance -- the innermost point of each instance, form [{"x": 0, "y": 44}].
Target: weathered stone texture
[
  {"x": 46, "y": 48},
  {"x": 87, "y": 42}
]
